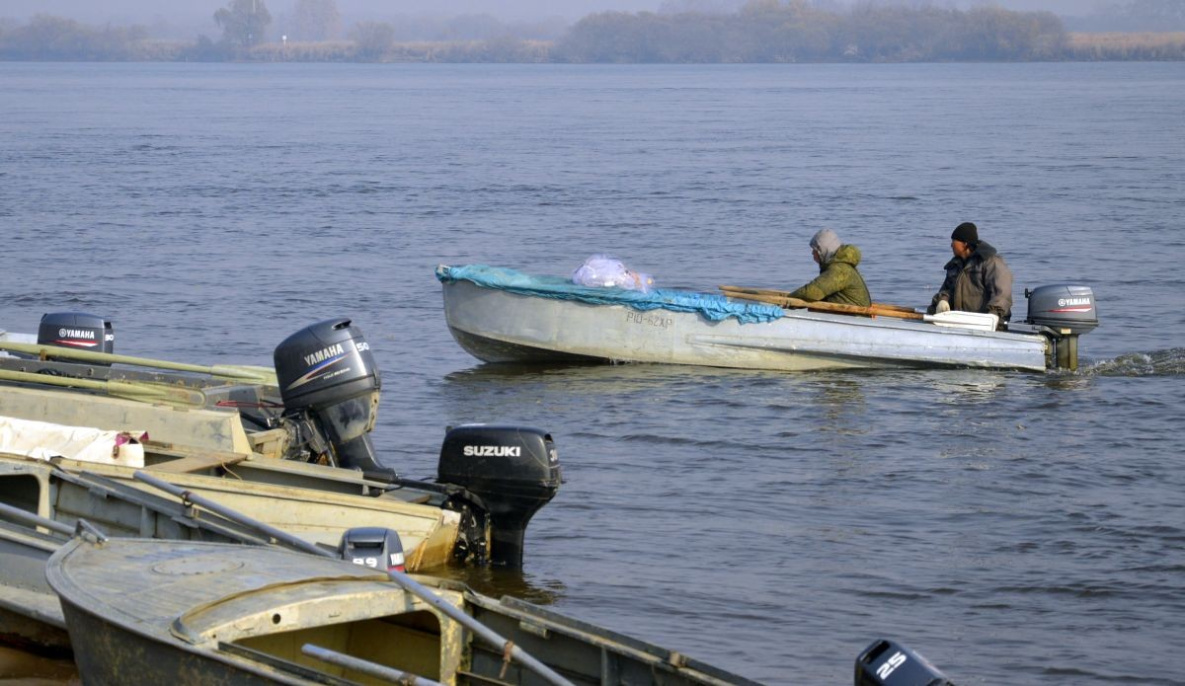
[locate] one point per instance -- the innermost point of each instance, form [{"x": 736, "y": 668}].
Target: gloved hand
[{"x": 942, "y": 306}]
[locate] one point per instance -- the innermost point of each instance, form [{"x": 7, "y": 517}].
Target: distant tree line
[
  {"x": 50, "y": 38},
  {"x": 772, "y": 31},
  {"x": 683, "y": 31}
]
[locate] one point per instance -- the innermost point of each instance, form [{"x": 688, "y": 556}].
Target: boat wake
[{"x": 1169, "y": 362}]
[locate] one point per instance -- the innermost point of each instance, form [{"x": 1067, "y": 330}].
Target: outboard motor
[
  {"x": 514, "y": 471},
  {"x": 76, "y": 330},
  {"x": 330, "y": 386},
  {"x": 887, "y": 663},
  {"x": 373, "y": 546},
  {"x": 1061, "y": 313}
]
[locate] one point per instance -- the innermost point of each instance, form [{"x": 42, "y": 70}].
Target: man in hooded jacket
[
  {"x": 838, "y": 280},
  {"x": 977, "y": 279}
]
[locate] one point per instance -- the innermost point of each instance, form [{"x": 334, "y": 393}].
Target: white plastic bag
[{"x": 602, "y": 271}]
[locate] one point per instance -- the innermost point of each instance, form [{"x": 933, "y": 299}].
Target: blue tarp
[{"x": 711, "y": 306}]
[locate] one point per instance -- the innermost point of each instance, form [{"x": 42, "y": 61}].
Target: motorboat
[
  {"x": 66, "y": 491},
  {"x": 306, "y": 424},
  {"x": 285, "y": 611},
  {"x": 76, "y": 425},
  {"x": 499, "y": 314},
  {"x": 201, "y": 612}
]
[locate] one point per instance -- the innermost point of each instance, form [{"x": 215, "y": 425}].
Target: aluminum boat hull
[
  {"x": 187, "y": 612},
  {"x": 110, "y": 498},
  {"x": 495, "y": 325}
]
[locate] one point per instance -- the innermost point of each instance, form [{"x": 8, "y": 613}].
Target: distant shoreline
[
  {"x": 1080, "y": 47},
  {"x": 1110, "y": 47},
  {"x": 759, "y": 33}
]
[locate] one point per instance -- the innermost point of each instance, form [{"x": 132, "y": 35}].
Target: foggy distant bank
[{"x": 685, "y": 31}]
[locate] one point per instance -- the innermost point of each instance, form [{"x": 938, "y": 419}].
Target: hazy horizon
[{"x": 198, "y": 12}]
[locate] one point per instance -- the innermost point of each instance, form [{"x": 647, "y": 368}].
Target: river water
[{"x": 1012, "y": 527}]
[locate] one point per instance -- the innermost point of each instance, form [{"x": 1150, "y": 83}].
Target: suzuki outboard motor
[
  {"x": 887, "y": 663},
  {"x": 330, "y": 385},
  {"x": 76, "y": 330},
  {"x": 514, "y": 471},
  {"x": 1061, "y": 313},
  {"x": 372, "y": 546}
]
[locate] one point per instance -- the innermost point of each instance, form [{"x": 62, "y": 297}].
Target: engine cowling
[
  {"x": 888, "y": 663},
  {"x": 373, "y": 546},
  {"x": 1061, "y": 313},
  {"x": 1068, "y": 310},
  {"x": 76, "y": 330},
  {"x": 514, "y": 471},
  {"x": 327, "y": 372}
]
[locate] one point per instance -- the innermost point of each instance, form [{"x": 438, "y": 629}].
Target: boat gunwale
[{"x": 859, "y": 320}]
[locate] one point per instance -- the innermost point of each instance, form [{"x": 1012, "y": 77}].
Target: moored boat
[
  {"x": 235, "y": 435},
  {"x": 501, "y": 315},
  {"x": 194, "y": 612},
  {"x": 305, "y": 425},
  {"x": 201, "y": 612},
  {"x": 67, "y": 491}
]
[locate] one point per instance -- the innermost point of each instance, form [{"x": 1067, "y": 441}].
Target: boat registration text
[{"x": 632, "y": 317}]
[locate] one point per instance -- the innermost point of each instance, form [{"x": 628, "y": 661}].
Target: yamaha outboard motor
[
  {"x": 514, "y": 471},
  {"x": 76, "y": 330},
  {"x": 887, "y": 663},
  {"x": 373, "y": 546},
  {"x": 330, "y": 386},
  {"x": 1061, "y": 313}
]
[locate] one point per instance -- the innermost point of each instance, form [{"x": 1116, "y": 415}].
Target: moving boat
[
  {"x": 197, "y": 612},
  {"x": 502, "y": 315}
]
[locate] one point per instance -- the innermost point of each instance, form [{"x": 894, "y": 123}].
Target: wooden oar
[
  {"x": 786, "y": 294},
  {"x": 783, "y": 299},
  {"x": 244, "y": 373},
  {"x": 142, "y": 391}
]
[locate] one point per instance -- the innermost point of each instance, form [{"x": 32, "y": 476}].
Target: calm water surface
[{"x": 1014, "y": 528}]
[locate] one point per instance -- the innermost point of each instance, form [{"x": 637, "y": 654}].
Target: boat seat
[
  {"x": 191, "y": 461},
  {"x": 271, "y": 443}
]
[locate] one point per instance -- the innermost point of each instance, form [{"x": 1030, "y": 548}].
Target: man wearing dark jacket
[
  {"x": 838, "y": 280},
  {"x": 977, "y": 279}
]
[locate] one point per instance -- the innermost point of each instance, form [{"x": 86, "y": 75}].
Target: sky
[{"x": 125, "y": 12}]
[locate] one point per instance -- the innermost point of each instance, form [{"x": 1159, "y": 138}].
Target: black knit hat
[{"x": 966, "y": 232}]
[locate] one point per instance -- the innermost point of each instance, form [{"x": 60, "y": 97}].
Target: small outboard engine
[
  {"x": 1062, "y": 313},
  {"x": 514, "y": 471},
  {"x": 330, "y": 386},
  {"x": 76, "y": 330},
  {"x": 887, "y": 663},
  {"x": 373, "y": 546}
]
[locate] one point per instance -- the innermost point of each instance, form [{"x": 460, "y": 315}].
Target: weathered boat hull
[
  {"x": 111, "y": 499},
  {"x": 203, "y": 424},
  {"x": 496, "y": 325},
  {"x": 30, "y": 614},
  {"x": 210, "y": 613},
  {"x": 225, "y": 440},
  {"x": 317, "y": 515},
  {"x": 111, "y": 655}
]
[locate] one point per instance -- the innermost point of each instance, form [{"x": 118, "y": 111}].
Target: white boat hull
[{"x": 495, "y": 325}]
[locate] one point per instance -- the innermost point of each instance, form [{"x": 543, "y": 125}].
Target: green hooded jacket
[{"x": 838, "y": 281}]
